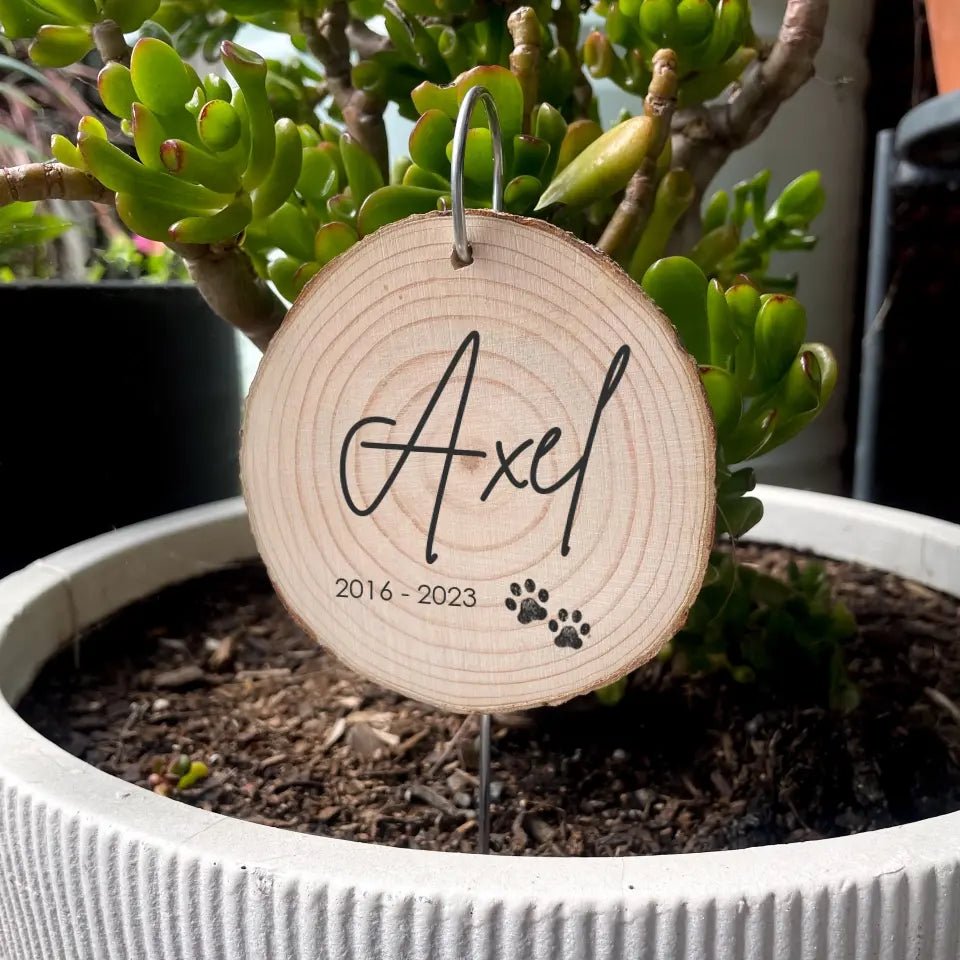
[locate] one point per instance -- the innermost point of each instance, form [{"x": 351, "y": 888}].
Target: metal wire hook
[{"x": 461, "y": 246}]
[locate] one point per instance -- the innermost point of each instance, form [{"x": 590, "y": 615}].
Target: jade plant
[{"x": 260, "y": 172}]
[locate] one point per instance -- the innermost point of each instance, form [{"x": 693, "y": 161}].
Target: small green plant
[
  {"x": 787, "y": 635},
  {"x": 259, "y": 177},
  {"x": 23, "y": 232},
  {"x": 136, "y": 258},
  {"x": 171, "y": 775}
]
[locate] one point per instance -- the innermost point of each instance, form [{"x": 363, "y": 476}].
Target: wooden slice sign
[{"x": 487, "y": 487}]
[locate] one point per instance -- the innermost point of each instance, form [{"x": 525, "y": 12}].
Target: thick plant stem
[
  {"x": 50, "y": 181},
  {"x": 362, "y": 114},
  {"x": 704, "y": 138},
  {"x": 225, "y": 277},
  {"x": 626, "y": 225},
  {"x": 672, "y": 200},
  {"x": 524, "y": 28},
  {"x": 111, "y": 45},
  {"x": 567, "y": 24},
  {"x": 366, "y": 42}
]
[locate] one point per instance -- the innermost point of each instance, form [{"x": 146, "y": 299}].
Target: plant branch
[
  {"x": 367, "y": 43},
  {"x": 703, "y": 138},
  {"x": 623, "y": 231},
  {"x": 111, "y": 45},
  {"x": 524, "y": 30},
  {"x": 225, "y": 277},
  {"x": 327, "y": 40},
  {"x": 50, "y": 181},
  {"x": 567, "y": 24}
]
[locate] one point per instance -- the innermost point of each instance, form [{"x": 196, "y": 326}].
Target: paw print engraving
[
  {"x": 569, "y": 634},
  {"x": 530, "y": 607}
]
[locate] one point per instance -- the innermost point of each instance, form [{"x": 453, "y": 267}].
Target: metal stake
[{"x": 483, "y": 807}]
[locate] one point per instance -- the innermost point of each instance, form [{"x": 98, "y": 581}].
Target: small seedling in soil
[{"x": 171, "y": 776}]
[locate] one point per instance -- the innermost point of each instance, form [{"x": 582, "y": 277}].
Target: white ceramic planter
[{"x": 91, "y": 867}]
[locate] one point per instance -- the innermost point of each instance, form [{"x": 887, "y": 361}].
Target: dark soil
[{"x": 216, "y": 670}]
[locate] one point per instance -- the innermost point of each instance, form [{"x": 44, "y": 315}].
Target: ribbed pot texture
[{"x": 92, "y": 867}]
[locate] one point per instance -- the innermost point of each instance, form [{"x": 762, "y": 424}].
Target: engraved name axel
[{"x": 506, "y": 468}]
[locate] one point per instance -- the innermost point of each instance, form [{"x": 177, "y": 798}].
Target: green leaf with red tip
[
  {"x": 433, "y": 96},
  {"x": 477, "y": 158},
  {"x": 149, "y": 134},
  {"x": 216, "y": 228},
  {"x": 196, "y": 165},
  {"x": 304, "y": 275},
  {"x": 723, "y": 335},
  {"x": 249, "y": 69},
  {"x": 145, "y": 217},
  {"x": 506, "y": 91},
  {"x": 91, "y": 127},
  {"x": 521, "y": 194},
  {"x": 116, "y": 90},
  {"x": 363, "y": 172},
  {"x": 825, "y": 373},
  {"x": 416, "y": 176},
  {"x": 724, "y": 398},
  {"x": 59, "y": 46},
  {"x": 129, "y": 14},
  {"x": 778, "y": 333},
  {"x": 580, "y": 134},
  {"x": 66, "y": 152},
  {"x": 219, "y": 126},
  {"x": 292, "y": 231},
  {"x": 679, "y": 288},
  {"x": 429, "y": 141},
  {"x": 548, "y": 125},
  {"x": 331, "y": 240},
  {"x": 319, "y": 178},
  {"x": 743, "y": 299},
  {"x": 799, "y": 391},
  {"x": 121, "y": 173},
  {"x": 530, "y": 155},
  {"x": 285, "y": 172},
  {"x": 159, "y": 76},
  {"x": 751, "y": 437},
  {"x": 282, "y": 272},
  {"x": 389, "y": 204},
  {"x": 342, "y": 207}
]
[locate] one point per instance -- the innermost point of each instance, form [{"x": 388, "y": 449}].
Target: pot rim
[{"x": 44, "y": 605}]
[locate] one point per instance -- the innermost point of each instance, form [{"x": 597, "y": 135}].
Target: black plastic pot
[{"x": 118, "y": 401}]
